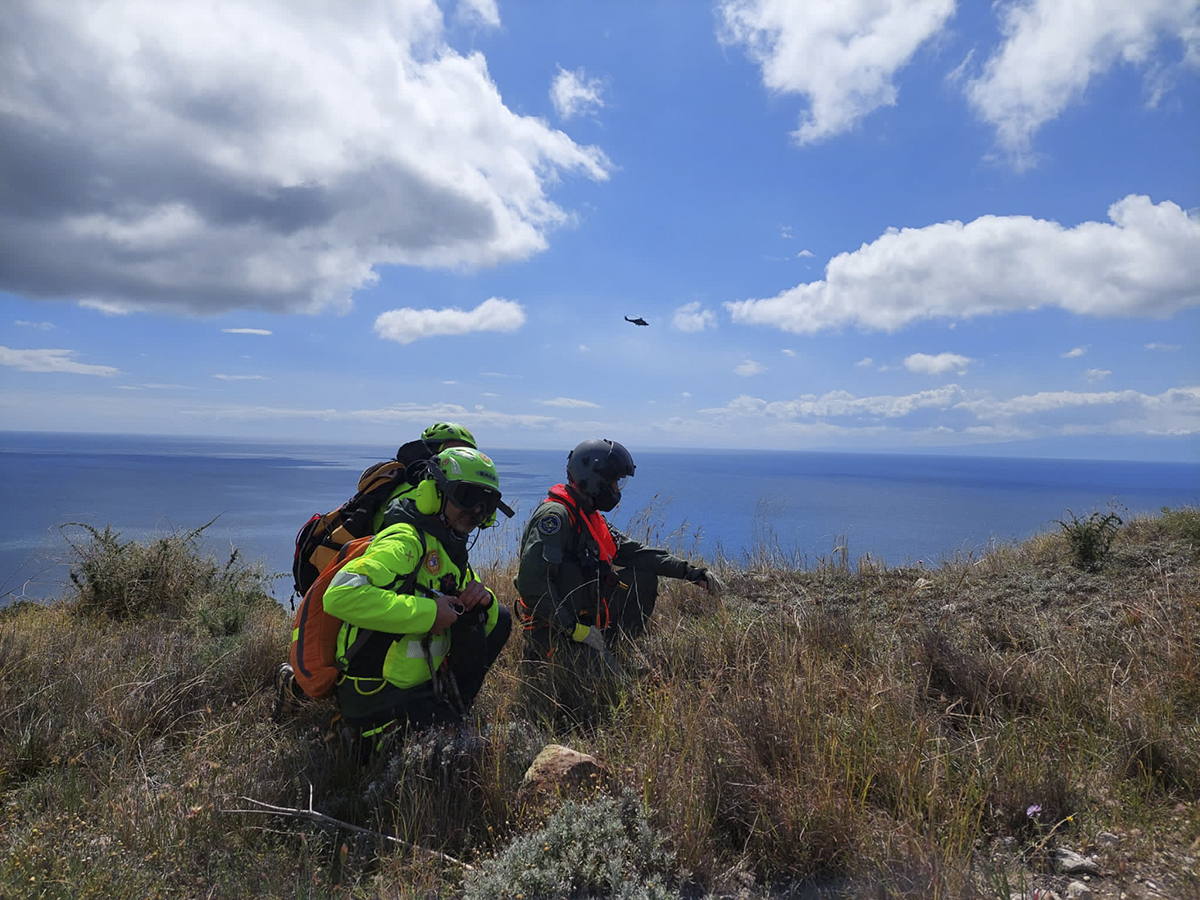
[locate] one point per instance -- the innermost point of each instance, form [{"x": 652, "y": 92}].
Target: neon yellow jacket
[{"x": 364, "y": 595}]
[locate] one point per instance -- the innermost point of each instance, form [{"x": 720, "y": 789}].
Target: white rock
[
  {"x": 1071, "y": 863},
  {"x": 1077, "y": 890}
]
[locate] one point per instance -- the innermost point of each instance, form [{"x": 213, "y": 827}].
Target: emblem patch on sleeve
[{"x": 549, "y": 524}]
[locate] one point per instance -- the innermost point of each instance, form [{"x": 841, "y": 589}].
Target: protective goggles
[{"x": 478, "y": 497}]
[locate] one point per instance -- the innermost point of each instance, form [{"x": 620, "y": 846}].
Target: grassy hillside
[{"x": 824, "y": 730}]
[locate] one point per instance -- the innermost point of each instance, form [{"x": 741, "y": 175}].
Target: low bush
[
  {"x": 600, "y": 848},
  {"x": 1090, "y": 539}
]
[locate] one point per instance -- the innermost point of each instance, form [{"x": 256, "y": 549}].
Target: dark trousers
[
  {"x": 472, "y": 654},
  {"x": 631, "y": 604},
  {"x": 570, "y": 684}
]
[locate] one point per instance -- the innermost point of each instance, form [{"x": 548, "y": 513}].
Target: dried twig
[{"x": 314, "y": 815}]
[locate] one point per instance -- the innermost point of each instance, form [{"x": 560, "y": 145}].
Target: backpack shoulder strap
[{"x": 409, "y": 581}]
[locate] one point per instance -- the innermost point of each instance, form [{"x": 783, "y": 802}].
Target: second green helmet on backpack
[{"x": 440, "y": 432}]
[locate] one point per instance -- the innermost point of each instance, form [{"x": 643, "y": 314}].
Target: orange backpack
[{"x": 313, "y": 652}]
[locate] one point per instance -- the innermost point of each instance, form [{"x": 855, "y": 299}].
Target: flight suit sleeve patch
[{"x": 550, "y": 524}]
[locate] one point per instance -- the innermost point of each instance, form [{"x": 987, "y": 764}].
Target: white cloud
[
  {"x": 481, "y": 12},
  {"x": 749, "y": 368},
  {"x": 843, "y": 404},
  {"x": 240, "y": 377},
  {"x": 950, "y": 409},
  {"x": 841, "y": 55},
  {"x": 1075, "y": 353},
  {"x": 1163, "y": 348},
  {"x": 1174, "y": 412},
  {"x": 40, "y": 326},
  {"x": 1146, "y": 263},
  {"x": 574, "y": 94},
  {"x": 690, "y": 318},
  {"x": 156, "y": 387},
  {"x": 107, "y": 307},
  {"x": 407, "y": 325},
  {"x": 1052, "y": 50},
  {"x": 259, "y": 331},
  {"x": 570, "y": 403},
  {"x": 926, "y": 364},
  {"x": 865, "y": 362},
  {"x": 50, "y": 361},
  {"x": 271, "y": 165},
  {"x": 786, "y": 352},
  {"x": 1097, "y": 374},
  {"x": 804, "y": 254}
]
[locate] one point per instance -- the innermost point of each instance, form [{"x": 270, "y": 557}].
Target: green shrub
[
  {"x": 1090, "y": 538},
  {"x": 122, "y": 579},
  {"x": 600, "y": 848}
]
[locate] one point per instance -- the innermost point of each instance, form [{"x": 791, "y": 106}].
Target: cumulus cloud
[
  {"x": 1145, "y": 263},
  {"x": 1074, "y": 353},
  {"x": 272, "y": 165},
  {"x": 840, "y": 56},
  {"x": 50, "y": 361},
  {"x": 750, "y": 368},
  {"x": 1053, "y": 50},
  {"x": 407, "y": 325},
  {"x": 570, "y": 403},
  {"x": 573, "y": 93},
  {"x": 926, "y": 364},
  {"x": 690, "y": 318},
  {"x": 259, "y": 331},
  {"x": 865, "y": 362},
  {"x": 1097, "y": 374}
]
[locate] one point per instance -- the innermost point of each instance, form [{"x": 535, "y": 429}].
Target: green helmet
[
  {"x": 440, "y": 432},
  {"x": 467, "y": 477}
]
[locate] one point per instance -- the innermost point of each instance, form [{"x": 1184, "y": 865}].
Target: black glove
[
  {"x": 707, "y": 579},
  {"x": 468, "y": 642}
]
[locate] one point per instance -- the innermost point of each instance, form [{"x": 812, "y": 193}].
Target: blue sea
[{"x": 900, "y": 509}]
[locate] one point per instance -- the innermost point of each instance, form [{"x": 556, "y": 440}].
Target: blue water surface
[{"x": 896, "y": 508}]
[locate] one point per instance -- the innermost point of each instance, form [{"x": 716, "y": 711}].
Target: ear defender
[{"x": 426, "y": 498}]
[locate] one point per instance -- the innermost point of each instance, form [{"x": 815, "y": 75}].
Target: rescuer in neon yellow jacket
[{"x": 420, "y": 630}]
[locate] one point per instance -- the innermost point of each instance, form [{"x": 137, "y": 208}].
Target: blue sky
[{"x": 863, "y": 225}]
